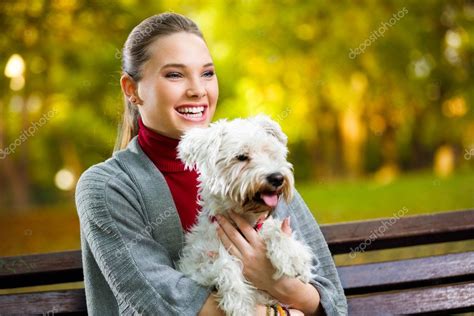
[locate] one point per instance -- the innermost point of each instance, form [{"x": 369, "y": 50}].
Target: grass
[{"x": 420, "y": 193}]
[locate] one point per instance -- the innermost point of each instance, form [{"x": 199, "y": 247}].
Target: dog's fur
[{"x": 234, "y": 160}]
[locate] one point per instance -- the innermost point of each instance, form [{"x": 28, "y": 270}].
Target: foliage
[{"x": 404, "y": 103}]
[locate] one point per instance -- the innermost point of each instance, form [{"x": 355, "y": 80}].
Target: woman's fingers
[
  {"x": 229, "y": 246},
  {"x": 230, "y": 237},
  {"x": 248, "y": 231},
  {"x": 285, "y": 226}
]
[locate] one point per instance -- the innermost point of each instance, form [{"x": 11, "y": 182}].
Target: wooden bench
[{"x": 442, "y": 284}]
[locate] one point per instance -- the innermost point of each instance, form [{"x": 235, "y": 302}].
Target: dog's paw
[
  {"x": 301, "y": 260},
  {"x": 304, "y": 271},
  {"x": 297, "y": 263},
  {"x": 289, "y": 256}
]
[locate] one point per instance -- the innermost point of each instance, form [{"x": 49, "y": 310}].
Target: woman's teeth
[{"x": 192, "y": 111}]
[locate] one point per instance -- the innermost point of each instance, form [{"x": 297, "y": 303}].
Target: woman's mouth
[{"x": 192, "y": 113}]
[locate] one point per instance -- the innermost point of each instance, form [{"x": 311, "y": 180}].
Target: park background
[{"x": 376, "y": 98}]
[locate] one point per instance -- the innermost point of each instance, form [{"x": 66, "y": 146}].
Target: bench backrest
[{"x": 443, "y": 283}]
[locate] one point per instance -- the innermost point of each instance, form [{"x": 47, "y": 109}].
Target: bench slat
[
  {"x": 454, "y": 299},
  {"x": 401, "y": 232},
  {"x": 44, "y": 303},
  {"x": 404, "y": 274},
  {"x": 40, "y": 269}
]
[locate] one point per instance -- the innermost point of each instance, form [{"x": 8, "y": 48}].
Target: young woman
[{"x": 135, "y": 208}]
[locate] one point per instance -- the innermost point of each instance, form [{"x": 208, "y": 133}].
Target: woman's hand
[
  {"x": 250, "y": 249},
  {"x": 258, "y": 269}
]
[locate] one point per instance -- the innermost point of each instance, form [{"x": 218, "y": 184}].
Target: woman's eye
[
  {"x": 173, "y": 75},
  {"x": 242, "y": 157},
  {"x": 209, "y": 73}
]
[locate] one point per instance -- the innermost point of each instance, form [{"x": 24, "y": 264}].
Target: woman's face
[{"x": 178, "y": 89}]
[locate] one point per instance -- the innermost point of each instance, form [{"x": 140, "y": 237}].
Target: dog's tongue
[{"x": 271, "y": 199}]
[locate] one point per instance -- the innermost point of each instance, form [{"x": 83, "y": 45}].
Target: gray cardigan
[{"x": 131, "y": 236}]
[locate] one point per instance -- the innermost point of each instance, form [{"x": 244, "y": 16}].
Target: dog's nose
[{"x": 275, "y": 179}]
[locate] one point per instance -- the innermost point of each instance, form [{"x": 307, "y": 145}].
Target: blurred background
[{"x": 376, "y": 98}]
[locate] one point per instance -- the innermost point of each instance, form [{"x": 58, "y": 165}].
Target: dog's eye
[{"x": 242, "y": 157}]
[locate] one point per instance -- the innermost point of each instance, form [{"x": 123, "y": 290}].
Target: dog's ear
[
  {"x": 188, "y": 146},
  {"x": 199, "y": 146},
  {"x": 271, "y": 127}
]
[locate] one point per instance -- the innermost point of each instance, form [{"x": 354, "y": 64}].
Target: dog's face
[{"x": 242, "y": 163}]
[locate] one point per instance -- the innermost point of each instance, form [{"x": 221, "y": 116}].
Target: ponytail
[{"x": 129, "y": 126}]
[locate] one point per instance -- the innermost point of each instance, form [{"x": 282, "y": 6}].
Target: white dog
[{"x": 242, "y": 167}]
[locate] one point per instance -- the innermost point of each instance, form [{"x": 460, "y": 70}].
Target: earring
[{"x": 133, "y": 100}]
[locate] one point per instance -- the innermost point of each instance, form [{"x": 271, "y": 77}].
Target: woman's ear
[{"x": 130, "y": 89}]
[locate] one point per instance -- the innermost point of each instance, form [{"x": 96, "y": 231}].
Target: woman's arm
[
  {"x": 299, "y": 295},
  {"x": 210, "y": 307},
  {"x": 136, "y": 267}
]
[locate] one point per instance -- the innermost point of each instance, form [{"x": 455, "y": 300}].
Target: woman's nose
[
  {"x": 196, "y": 89},
  {"x": 196, "y": 93}
]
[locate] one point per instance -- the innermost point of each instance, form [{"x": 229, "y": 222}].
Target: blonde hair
[{"x": 135, "y": 54}]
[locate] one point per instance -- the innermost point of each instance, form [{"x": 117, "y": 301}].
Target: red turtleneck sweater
[{"x": 182, "y": 183}]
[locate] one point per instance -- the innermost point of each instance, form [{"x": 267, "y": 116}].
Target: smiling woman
[
  {"x": 135, "y": 207},
  {"x": 177, "y": 86}
]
